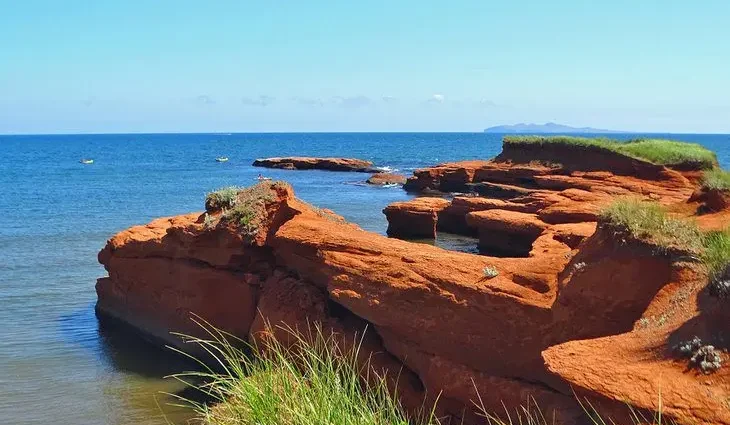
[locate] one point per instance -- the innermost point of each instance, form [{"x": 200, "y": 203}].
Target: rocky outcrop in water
[
  {"x": 562, "y": 305},
  {"x": 309, "y": 163},
  {"x": 386, "y": 178}
]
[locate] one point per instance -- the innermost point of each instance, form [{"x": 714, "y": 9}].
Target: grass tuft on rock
[
  {"x": 657, "y": 151},
  {"x": 716, "y": 179},
  {"x": 312, "y": 382},
  {"x": 717, "y": 253},
  {"x": 244, "y": 207},
  {"x": 650, "y": 222},
  {"x": 223, "y": 198}
]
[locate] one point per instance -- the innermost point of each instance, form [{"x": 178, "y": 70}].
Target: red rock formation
[
  {"x": 712, "y": 200},
  {"x": 386, "y": 178},
  {"x": 547, "y": 187},
  {"x": 506, "y": 232},
  {"x": 414, "y": 219},
  {"x": 581, "y": 311},
  {"x": 309, "y": 163}
]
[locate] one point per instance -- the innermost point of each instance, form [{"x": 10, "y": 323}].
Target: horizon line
[{"x": 612, "y": 132}]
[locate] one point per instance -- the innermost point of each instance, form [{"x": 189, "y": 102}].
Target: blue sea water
[{"x": 56, "y": 364}]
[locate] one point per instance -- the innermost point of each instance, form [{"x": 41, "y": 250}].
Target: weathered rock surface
[
  {"x": 386, "y": 178},
  {"x": 510, "y": 201},
  {"x": 571, "y": 307},
  {"x": 712, "y": 200},
  {"x": 310, "y": 163},
  {"x": 415, "y": 218}
]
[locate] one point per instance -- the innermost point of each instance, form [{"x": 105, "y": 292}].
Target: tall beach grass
[
  {"x": 716, "y": 179},
  {"x": 313, "y": 381}
]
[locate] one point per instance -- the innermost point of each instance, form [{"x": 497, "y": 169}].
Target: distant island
[{"x": 547, "y": 128}]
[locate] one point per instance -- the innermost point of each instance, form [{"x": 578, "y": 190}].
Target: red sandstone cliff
[{"x": 572, "y": 308}]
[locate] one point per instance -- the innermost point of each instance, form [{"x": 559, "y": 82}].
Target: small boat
[
  {"x": 262, "y": 178},
  {"x": 87, "y": 161},
  {"x": 222, "y": 159}
]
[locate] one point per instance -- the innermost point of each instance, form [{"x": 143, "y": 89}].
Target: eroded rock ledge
[
  {"x": 311, "y": 163},
  {"x": 582, "y": 311}
]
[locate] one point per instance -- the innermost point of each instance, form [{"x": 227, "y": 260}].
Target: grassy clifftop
[
  {"x": 657, "y": 151},
  {"x": 651, "y": 222}
]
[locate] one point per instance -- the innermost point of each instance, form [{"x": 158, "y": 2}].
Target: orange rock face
[
  {"x": 566, "y": 309},
  {"x": 416, "y": 218},
  {"x": 309, "y": 163}
]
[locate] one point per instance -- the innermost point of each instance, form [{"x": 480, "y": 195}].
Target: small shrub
[
  {"x": 703, "y": 357},
  {"x": 245, "y": 207},
  {"x": 222, "y": 198},
  {"x": 208, "y": 221},
  {"x": 650, "y": 221},
  {"x": 716, "y": 179},
  {"x": 490, "y": 272}
]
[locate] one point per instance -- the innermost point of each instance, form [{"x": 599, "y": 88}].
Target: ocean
[{"x": 57, "y": 365}]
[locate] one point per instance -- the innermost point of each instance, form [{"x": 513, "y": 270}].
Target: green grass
[
  {"x": 243, "y": 206},
  {"x": 717, "y": 252},
  {"x": 657, "y": 151},
  {"x": 223, "y": 198},
  {"x": 314, "y": 382},
  {"x": 716, "y": 179},
  {"x": 650, "y": 221}
]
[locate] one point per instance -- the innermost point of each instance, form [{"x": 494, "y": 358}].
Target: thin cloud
[
  {"x": 262, "y": 100},
  {"x": 352, "y": 102},
  {"x": 204, "y": 99},
  {"x": 436, "y": 99},
  {"x": 307, "y": 101},
  {"x": 485, "y": 103}
]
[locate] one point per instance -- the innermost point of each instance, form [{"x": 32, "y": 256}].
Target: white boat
[
  {"x": 87, "y": 161},
  {"x": 222, "y": 159}
]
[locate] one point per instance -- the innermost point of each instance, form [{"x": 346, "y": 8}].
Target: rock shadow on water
[
  {"x": 125, "y": 349},
  {"x": 120, "y": 347}
]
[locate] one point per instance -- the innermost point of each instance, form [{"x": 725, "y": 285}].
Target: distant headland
[{"x": 547, "y": 128}]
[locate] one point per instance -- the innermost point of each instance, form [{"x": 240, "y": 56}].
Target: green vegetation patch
[
  {"x": 657, "y": 151},
  {"x": 243, "y": 206},
  {"x": 717, "y": 253},
  {"x": 223, "y": 198},
  {"x": 312, "y": 382},
  {"x": 650, "y": 221},
  {"x": 717, "y": 179}
]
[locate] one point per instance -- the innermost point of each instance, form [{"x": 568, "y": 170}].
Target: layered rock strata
[{"x": 573, "y": 308}]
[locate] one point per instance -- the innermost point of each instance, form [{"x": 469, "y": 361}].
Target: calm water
[{"x": 56, "y": 364}]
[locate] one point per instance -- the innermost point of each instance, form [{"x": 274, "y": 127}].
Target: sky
[{"x": 267, "y": 66}]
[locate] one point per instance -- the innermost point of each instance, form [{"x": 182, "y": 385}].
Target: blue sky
[{"x": 193, "y": 66}]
